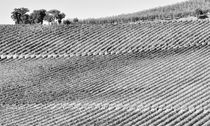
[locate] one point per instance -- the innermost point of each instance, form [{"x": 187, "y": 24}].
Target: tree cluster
[{"x": 21, "y": 16}]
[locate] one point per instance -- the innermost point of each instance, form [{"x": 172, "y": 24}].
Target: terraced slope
[
  {"x": 101, "y": 39},
  {"x": 156, "y": 88}
]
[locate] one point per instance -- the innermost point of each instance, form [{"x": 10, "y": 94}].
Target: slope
[
  {"x": 156, "y": 88},
  {"x": 174, "y": 11},
  {"x": 101, "y": 39},
  {"x": 129, "y": 74}
]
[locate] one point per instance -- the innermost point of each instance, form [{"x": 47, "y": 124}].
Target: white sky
[{"x": 81, "y": 8}]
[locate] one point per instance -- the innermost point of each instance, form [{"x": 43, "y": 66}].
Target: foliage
[
  {"x": 67, "y": 22},
  {"x": 198, "y": 12},
  {"x": 75, "y": 20},
  {"x": 54, "y": 12},
  {"x": 57, "y": 15},
  {"x": 19, "y": 15},
  {"x": 201, "y": 14},
  {"x": 49, "y": 18},
  {"x": 60, "y": 17},
  {"x": 25, "y": 19},
  {"x": 38, "y": 16}
]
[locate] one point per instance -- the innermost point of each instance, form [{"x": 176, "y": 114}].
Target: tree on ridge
[
  {"x": 57, "y": 15},
  {"x": 38, "y": 16},
  {"x": 19, "y": 15}
]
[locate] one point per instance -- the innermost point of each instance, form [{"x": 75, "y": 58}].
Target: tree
[
  {"x": 57, "y": 15},
  {"x": 49, "y": 18},
  {"x": 38, "y": 16},
  {"x": 54, "y": 12},
  {"x": 66, "y": 22},
  {"x": 200, "y": 14},
  {"x": 75, "y": 20},
  {"x": 19, "y": 14},
  {"x": 26, "y": 19}
]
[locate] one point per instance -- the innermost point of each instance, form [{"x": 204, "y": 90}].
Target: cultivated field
[
  {"x": 101, "y": 39},
  {"x": 154, "y": 74}
]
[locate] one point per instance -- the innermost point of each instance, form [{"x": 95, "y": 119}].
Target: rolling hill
[
  {"x": 154, "y": 73},
  {"x": 101, "y": 39},
  {"x": 175, "y": 11}
]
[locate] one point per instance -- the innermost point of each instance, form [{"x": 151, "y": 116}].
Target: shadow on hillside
[{"x": 72, "y": 79}]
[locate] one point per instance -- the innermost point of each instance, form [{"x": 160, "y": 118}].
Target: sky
[{"x": 81, "y": 9}]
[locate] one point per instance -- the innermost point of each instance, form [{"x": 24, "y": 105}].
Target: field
[
  {"x": 130, "y": 74},
  {"x": 170, "y": 12},
  {"x": 84, "y": 40}
]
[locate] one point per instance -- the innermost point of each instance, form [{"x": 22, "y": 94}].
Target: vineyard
[
  {"x": 128, "y": 74},
  {"x": 84, "y": 40},
  {"x": 175, "y": 11}
]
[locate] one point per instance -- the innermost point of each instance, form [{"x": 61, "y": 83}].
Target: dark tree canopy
[
  {"x": 26, "y": 19},
  {"x": 19, "y": 15},
  {"x": 57, "y": 15},
  {"x": 49, "y": 18},
  {"x": 75, "y": 20},
  {"x": 66, "y": 22},
  {"x": 199, "y": 12},
  {"x": 54, "y": 12},
  {"x": 38, "y": 16}
]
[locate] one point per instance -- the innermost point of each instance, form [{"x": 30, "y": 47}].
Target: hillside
[
  {"x": 154, "y": 73},
  {"x": 174, "y": 11},
  {"x": 101, "y": 39},
  {"x": 161, "y": 88}
]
